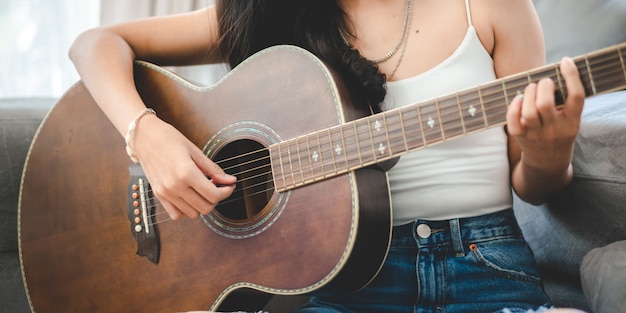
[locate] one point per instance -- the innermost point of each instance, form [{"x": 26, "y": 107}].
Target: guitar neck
[{"x": 380, "y": 137}]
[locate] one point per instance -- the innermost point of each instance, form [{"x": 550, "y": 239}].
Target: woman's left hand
[{"x": 544, "y": 131}]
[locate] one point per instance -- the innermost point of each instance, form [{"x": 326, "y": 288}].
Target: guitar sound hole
[{"x": 248, "y": 160}]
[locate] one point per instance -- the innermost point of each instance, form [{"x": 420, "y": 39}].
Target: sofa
[{"x": 588, "y": 216}]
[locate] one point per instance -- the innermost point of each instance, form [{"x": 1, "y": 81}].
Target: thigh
[
  {"x": 394, "y": 289},
  {"x": 494, "y": 274}
]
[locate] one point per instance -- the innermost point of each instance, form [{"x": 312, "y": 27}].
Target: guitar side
[{"x": 76, "y": 250}]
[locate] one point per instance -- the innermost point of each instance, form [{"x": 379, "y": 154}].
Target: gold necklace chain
[
  {"x": 405, "y": 26},
  {"x": 406, "y": 43}
]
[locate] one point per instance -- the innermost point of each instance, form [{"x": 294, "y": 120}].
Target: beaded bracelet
[{"x": 129, "y": 133}]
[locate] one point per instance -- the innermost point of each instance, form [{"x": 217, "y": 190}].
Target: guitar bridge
[{"x": 140, "y": 212}]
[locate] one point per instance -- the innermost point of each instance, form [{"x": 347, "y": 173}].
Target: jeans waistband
[{"x": 456, "y": 232}]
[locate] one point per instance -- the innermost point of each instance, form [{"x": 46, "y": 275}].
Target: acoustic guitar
[{"x": 311, "y": 213}]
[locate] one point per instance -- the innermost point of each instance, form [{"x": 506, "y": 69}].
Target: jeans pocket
[{"x": 508, "y": 257}]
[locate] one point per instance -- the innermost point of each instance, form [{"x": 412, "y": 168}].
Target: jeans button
[{"x": 423, "y": 230}]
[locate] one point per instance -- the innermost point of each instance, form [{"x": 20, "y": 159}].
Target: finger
[
  {"x": 171, "y": 210},
  {"x": 214, "y": 171},
  {"x": 530, "y": 115},
  {"x": 196, "y": 203},
  {"x": 186, "y": 208},
  {"x": 178, "y": 197},
  {"x": 575, "y": 90},
  {"x": 545, "y": 102},
  {"x": 221, "y": 185},
  {"x": 514, "y": 117}
]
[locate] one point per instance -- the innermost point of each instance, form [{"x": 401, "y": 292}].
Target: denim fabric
[{"x": 479, "y": 264}]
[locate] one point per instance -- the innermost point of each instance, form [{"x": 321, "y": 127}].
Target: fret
[
  {"x": 326, "y": 151},
  {"x": 450, "y": 116},
  {"x": 589, "y": 72},
  {"x": 561, "y": 92},
  {"x": 506, "y": 96},
  {"x": 495, "y": 104},
  {"x": 378, "y": 133},
  {"x": 585, "y": 76},
  {"x": 431, "y": 126},
  {"x": 621, "y": 59},
  {"x": 414, "y": 137},
  {"x": 294, "y": 153},
  {"x": 288, "y": 166},
  {"x": 443, "y": 136},
  {"x": 352, "y": 150},
  {"x": 304, "y": 155},
  {"x": 606, "y": 72},
  {"x": 396, "y": 135},
  {"x": 315, "y": 153},
  {"x": 277, "y": 166},
  {"x": 514, "y": 85},
  {"x": 537, "y": 74},
  {"x": 472, "y": 111},
  {"x": 368, "y": 154},
  {"x": 354, "y": 137},
  {"x": 338, "y": 148},
  {"x": 482, "y": 104}
]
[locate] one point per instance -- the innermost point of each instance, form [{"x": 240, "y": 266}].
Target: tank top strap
[{"x": 469, "y": 13}]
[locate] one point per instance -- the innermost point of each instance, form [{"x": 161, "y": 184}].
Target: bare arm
[
  {"x": 541, "y": 136},
  {"x": 104, "y": 57}
]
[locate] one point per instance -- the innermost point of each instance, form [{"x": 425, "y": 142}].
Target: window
[{"x": 35, "y": 36}]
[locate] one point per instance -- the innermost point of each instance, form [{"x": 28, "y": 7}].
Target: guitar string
[
  {"x": 458, "y": 125},
  {"x": 477, "y": 99},
  {"x": 556, "y": 77},
  {"x": 402, "y": 139}
]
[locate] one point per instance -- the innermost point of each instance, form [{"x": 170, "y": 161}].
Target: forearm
[
  {"x": 104, "y": 62},
  {"x": 535, "y": 185}
]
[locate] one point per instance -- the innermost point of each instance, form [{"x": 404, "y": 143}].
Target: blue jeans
[{"x": 478, "y": 264}]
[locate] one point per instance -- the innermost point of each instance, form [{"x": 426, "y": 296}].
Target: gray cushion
[
  {"x": 603, "y": 275},
  {"x": 19, "y": 120},
  {"x": 591, "y": 211}
]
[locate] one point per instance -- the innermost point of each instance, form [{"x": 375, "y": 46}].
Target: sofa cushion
[
  {"x": 603, "y": 273},
  {"x": 590, "y": 212},
  {"x": 19, "y": 120}
]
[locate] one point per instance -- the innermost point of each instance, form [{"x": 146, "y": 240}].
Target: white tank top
[{"x": 463, "y": 177}]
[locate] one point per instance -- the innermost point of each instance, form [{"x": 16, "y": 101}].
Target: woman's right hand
[{"x": 185, "y": 181}]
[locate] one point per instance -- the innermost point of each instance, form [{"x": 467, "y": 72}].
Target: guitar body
[{"x": 76, "y": 245}]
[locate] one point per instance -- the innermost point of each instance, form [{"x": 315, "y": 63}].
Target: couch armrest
[
  {"x": 590, "y": 212},
  {"x": 19, "y": 120}
]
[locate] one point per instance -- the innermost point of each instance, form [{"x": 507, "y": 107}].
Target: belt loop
[{"x": 457, "y": 242}]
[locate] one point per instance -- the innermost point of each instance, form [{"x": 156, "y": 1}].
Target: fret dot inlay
[
  {"x": 338, "y": 150},
  {"x": 381, "y": 148},
  {"x": 472, "y": 111},
  {"x": 431, "y": 122},
  {"x": 315, "y": 156}
]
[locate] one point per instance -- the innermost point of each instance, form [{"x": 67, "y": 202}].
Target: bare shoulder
[{"x": 511, "y": 32}]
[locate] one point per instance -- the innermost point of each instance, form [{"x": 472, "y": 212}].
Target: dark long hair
[{"x": 248, "y": 26}]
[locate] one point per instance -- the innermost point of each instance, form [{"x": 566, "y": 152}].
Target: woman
[{"x": 456, "y": 246}]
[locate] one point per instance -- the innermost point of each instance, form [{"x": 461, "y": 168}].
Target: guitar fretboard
[{"x": 380, "y": 137}]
